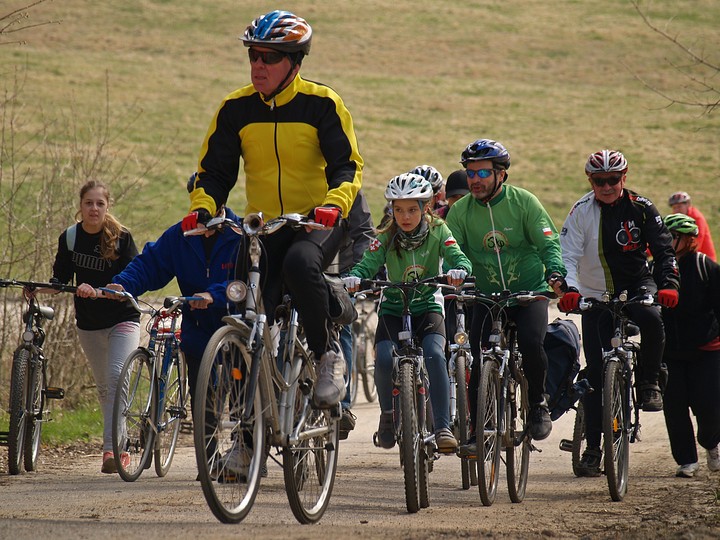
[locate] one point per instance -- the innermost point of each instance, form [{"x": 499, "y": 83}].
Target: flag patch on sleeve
[
  {"x": 374, "y": 244},
  {"x": 547, "y": 231}
]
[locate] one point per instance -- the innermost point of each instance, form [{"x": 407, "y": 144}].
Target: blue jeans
[
  {"x": 434, "y": 350},
  {"x": 346, "y": 342}
]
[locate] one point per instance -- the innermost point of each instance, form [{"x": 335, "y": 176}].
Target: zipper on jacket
[{"x": 277, "y": 158}]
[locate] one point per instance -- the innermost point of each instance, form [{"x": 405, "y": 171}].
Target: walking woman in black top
[{"x": 90, "y": 253}]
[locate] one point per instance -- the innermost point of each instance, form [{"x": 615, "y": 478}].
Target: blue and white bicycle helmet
[{"x": 279, "y": 30}]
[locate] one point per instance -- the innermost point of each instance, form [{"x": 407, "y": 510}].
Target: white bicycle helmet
[
  {"x": 431, "y": 174},
  {"x": 606, "y": 161},
  {"x": 409, "y": 186}
]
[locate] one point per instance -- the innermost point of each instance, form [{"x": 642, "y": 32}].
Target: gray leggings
[{"x": 106, "y": 350}]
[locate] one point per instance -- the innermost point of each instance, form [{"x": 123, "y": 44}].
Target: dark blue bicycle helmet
[{"x": 486, "y": 149}]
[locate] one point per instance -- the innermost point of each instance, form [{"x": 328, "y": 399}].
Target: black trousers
[
  {"x": 531, "y": 322},
  {"x": 693, "y": 387},
  {"x": 296, "y": 259},
  {"x": 597, "y": 330}
]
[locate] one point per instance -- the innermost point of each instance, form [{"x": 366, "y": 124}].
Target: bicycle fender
[{"x": 238, "y": 324}]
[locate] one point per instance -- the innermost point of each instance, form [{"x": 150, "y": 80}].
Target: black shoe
[
  {"x": 385, "y": 436},
  {"x": 346, "y": 424},
  {"x": 469, "y": 449},
  {"x": 651, "y": 397},
  {"x": 590, "y": 462},
  {"x": 540, "y": 422}
]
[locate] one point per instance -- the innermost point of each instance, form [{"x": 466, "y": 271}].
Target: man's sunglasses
[
  {"x": 611, "y": 181},
  {"x": 268, "y": 57},
  {"x": 480, "y": 173}
]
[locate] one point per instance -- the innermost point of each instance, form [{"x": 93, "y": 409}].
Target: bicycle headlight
[
  {"x": 236, "y": 291},
  {"x": 253, "y": 223},
  {"x": 460, "y": 338}
]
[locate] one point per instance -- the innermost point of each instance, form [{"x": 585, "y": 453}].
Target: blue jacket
[{"x": 183, "y": 257}]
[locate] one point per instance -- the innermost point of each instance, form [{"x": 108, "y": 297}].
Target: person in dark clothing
[{"x": 692, "y": 353}]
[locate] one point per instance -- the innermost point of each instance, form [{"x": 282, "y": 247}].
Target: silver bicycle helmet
[
  {"x": 431, "y": 174},
  {"x": 409, "y": 186},
  {"x": 678, "y": 197}
]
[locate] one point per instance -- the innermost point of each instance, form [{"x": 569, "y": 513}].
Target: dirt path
[{"x": 69, "y": 498}]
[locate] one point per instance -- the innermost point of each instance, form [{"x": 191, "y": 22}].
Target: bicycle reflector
[
  {"x": 236, "y": 291},
  {"x": 460, "y": 338}
]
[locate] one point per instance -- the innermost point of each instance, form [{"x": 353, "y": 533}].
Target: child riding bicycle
[{"x": 412, "y": 247}]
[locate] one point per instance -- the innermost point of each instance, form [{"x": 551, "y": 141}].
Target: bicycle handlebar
[
  {"x": 254, "y": 224},
  {"x": 617, "y": 303},
  {"x": 34, "y": 285}
]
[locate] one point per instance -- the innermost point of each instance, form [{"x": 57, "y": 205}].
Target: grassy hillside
[{"x": 553, "y": 81}]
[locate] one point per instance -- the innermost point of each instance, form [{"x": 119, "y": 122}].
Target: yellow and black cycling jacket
[{"x": 299, "y": 151}]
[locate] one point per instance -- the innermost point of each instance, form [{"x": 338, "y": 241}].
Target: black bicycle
[
  {"x": 28, "y": 380},
  {"x": 620, "y": 403},
  {"x": 363, "y": 350}
]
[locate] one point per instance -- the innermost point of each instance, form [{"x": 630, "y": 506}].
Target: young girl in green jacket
[{"x": 412, "y": 247}]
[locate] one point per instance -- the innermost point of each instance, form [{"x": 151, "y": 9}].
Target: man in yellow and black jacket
[{"x": 299, "y": 152}]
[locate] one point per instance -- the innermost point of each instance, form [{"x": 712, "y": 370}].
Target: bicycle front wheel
[
  {"x": 229, "y": 428},
  {"x": 487, "y": 431},
  {"x": 410, "y": 442},
  {"x": 366, "y": 356},
  {"x": 462, "y": 427},
  {"x": 517, "y": 448},
  {"x": 354, "y": 371},
  {"x": 35, "y": 405},
  {"x": 133, "y": 413},
  {"x": 310, "y": 462},
  {"x": 616, "y": 443},
  {"x": 579, "y": 443},
  {"x": 174, "y": 392},
  {"x": 18, "y": 412}
]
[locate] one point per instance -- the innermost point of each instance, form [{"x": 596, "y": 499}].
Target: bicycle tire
[
  {"x": 616, "y": 444},
  {"x": 579, "y": 442},
  {"x": 134, "y": 408},
  {"x": 486, "y": 431},
  {"x": 517, "y": 457},
  {"x": 462, "y": 428},
  {"x": 35, "y": 405},
  {"x": 173, "y": 413},
  {"x": 220, "y": 430},
  {"x": 367, "y": 363},
  {"x": 354, "y": 372},
  {"x": 18, "y": 402},
  {"x": 409, "y": 434},
  {"x": 426, "y": 450},
  {"x": 310, "y": 465}
]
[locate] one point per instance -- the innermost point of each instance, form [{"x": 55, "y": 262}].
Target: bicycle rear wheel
[
  {"x": 310, "y": 464},
  {"x": 487, "y": 431},
  {"x": 36, "y": 403},
  {"x": 229, "y": 428},
  {"x": 354, "y": 372},
  {"x": 517, "y": 451},
  {"x": 462, "y": 427},
  {"x": 579, "y": 443},
  {"x": 410, "y": 443},
  {"x": 18, "y": 412},
  {"x": 616, "y": 443},
  {"x": 173, "y": 413},
  {"x": 366, "y": 361},
  {"x": 133, "y": 412}
]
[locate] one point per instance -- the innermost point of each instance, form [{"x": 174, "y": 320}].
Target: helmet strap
[{"x": 281, "y": 86}]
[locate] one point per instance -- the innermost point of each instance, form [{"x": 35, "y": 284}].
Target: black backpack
[{"x": 562, "y": 346}]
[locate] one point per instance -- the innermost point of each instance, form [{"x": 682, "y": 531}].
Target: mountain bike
[
  {"x": 251, "y": 397},
  {"x": 620, "y": 403},
  {"x": 28, "y": 380},
  {"x": 152, "y": 393},
  {"x": 459, "y": 365},
  {"x": 363, "y": 366},
  {"x": 412, "y": 412},
  {"x": 502, "y": 421}
]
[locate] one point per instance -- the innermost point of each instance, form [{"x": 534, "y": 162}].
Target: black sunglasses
[
  {"x": 611, "y": 181},
  {"x": 268, "y": 57}
]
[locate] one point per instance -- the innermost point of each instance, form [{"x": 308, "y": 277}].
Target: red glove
[
  {"x": 327, "y": 215},
  {"x": 668, "y": 297},
  {"x": 195, "y": 218},
  {"x": 570, "y": 301}
]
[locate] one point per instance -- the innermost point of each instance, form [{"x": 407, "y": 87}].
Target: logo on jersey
[
  {"x": 374, "y": 244},
  {"x": 495, "y": 241},
  {"x": 628, "y": 236}
]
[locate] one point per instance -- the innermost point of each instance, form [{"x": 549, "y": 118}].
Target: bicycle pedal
[
  {"x": 566, "y": 445},
  {"x": 53, "y": 392}
]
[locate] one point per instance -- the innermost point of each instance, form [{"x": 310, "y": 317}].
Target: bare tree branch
[{"x": 11, "y": 23}]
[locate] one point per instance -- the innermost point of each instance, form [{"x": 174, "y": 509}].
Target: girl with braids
[{"x": 90, "y": 253}]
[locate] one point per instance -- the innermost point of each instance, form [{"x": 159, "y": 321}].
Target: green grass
[{"x": 83, "y": 424}]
